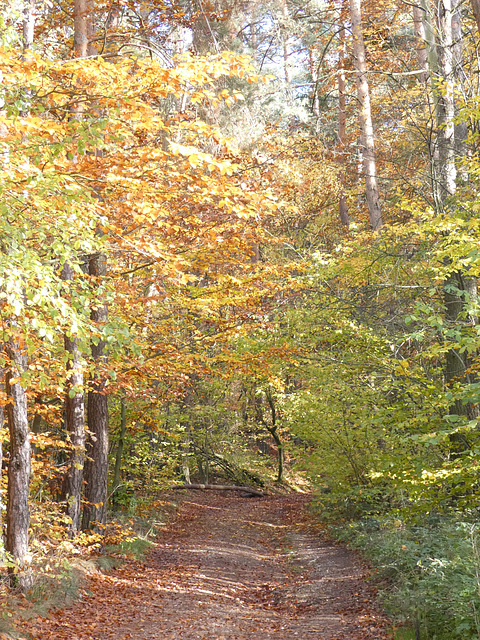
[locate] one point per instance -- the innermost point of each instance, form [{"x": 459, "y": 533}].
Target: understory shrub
[{"x": 428, "y": 574}]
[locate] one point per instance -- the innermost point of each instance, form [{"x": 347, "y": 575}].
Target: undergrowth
[
  {"x": 59, "y": 564},
  {"x": 427, "y": 569}
]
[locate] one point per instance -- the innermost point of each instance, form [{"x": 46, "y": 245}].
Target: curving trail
[{"x": 228, "y": 568}]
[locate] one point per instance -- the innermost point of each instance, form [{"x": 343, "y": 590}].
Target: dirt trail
[{"x": 228, "y": 568}]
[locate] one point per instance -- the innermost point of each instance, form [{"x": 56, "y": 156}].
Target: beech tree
[
  {"x": 367, "y": 140},
  {"x": 75, "y": 396},
  {"x": 19, "y": 468}
]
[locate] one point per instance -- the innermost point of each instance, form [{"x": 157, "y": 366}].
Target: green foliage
[{"x": 428, "y": 573}]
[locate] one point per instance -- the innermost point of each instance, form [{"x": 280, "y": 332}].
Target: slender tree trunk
[
  {"x": 286, "y": 46},
  {"x": 96, "y": 467},
  {"x": 365, "y": 118},
  {"x": 342, "y": 127},
  {"x": 75, "y": 423},
  {"x": 18, "y": 515},
  {"x": 273, "y": 430},
  {"x": 2, "y": 421},
  {"x": 460, "y": 290},
  {"x": 314, "y": 75},
  {"x": 420, "y": 35},
  {"x": 461, "y": 128},
  {"x": 120, "y": 447},
  {"x": 75, "y": 398},
  {"x": 445, "y": 173}
]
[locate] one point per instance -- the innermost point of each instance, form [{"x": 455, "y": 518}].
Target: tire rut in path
[{"x": 229, "y": 569}]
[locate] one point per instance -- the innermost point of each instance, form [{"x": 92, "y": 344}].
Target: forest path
[{"x": 228, "y": 568}]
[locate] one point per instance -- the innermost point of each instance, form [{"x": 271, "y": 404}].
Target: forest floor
[{"x": 227, "y": 568}]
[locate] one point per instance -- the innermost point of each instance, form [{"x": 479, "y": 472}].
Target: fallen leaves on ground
[{"x": 227, "y": 568}]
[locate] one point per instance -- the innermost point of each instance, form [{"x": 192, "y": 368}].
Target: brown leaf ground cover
[{"x": 227, "y": 568}]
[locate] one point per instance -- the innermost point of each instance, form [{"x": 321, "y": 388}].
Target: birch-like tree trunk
[
  {"x": 286, "y": 46},
  {"x": 342, "y": 126},
  {"x": 367, "y": 139},
  {"x": 445, "y": 173},
  {"x": 443, "y": 33}
]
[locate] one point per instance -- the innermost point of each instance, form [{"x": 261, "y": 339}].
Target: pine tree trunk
[
  {"x": 96, "y": 466},
  {"x": 365, "y": 119}
]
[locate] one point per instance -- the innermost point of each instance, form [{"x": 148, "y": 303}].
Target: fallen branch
[{"x": 220, "y": 487}]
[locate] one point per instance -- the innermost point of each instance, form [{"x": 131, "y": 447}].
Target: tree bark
[
  {"x": 2, "y": 421},
  {"x": 285, "y": 46},
  {"x": 273, "y": 430},
  {"x": 459, "y": 290},
  {"x": 75, "y": 423},
  {"x": 445, "y": 169},
  {"x": 96, "y": 466},
  {"x": 19, "y": 466},
  {"x": 18, "y": 514},
  {"x": 120, "y": 447},
  {"x": 342, "y": 127},
  {"x": 420, "y": 35},
  {"x": 367, "y": 139},
  {"x": 83, "y": 28}
]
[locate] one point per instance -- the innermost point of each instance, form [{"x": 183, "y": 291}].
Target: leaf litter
[{"x": 227, "y": 568}]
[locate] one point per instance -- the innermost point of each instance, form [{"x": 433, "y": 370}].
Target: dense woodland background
[{"x": 240, "y": 245}]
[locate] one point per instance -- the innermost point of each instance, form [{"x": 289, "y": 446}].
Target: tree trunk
[
  {"x": 75, "y": 423},
  {"x": 2, "y": 420},
  {"x": 342, "y": 127},
  {"x": 420, "y": 35},
  {"x": 19, "y": 466},
  {"x": 286, "y": 46},
  {"x": 273, "y": 430},
  {"x": 83, "y": 28},
  {"x": 18, "y": 515},
  {"x": 120, "y": 447},
  {"x": 96, "y": 467},
  {"x": 460, "y": 291},
  {"x": 312, "y": 63},
  {"x": 365, "y": 119},
  {"x": 75, "y": 398}
]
